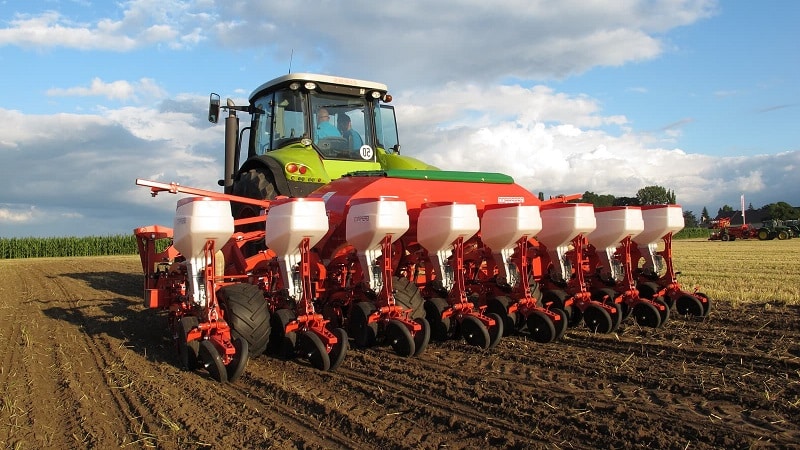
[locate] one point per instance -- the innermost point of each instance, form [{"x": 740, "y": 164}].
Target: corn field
[{"x": 33, "y": 247}]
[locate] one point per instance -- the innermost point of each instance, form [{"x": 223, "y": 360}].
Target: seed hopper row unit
[{"x": 322, "y": 242}]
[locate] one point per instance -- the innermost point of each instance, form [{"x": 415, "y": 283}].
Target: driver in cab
[{"x": 324, "y": 126}]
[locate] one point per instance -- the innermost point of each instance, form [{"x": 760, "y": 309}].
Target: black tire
[
  {"x": 237, "y": 365},
  {"x": 499, "y": 305},
  {"x": 689, "y": 305},
  {"x": 783, "y": 235},
  {"x": 212, "y": 361},
  {"x": 541, "y": 328},
  {"x": 763, "y": 234},
  {"x": 256, "y": 183},
  {"x": 649, "y": 289},
  {"x": 247, "y": 313},
  {"x": 440, "y": 326},
  {"x": 362, "y": 332},
  {"x": 474, "y": 332},
  {"x": 725, "y": 238},
  {"x": 562, "y": 325},
  {"x": 706, "y": 303},
  {"x": 597, "y": 319},
  {"x": 607, "y": 297},
  {"x": 664, "y": 313},
  {"x": 339, "y": 350},
  {"x": 646, "y": 314},
  {"x": 282, "y": 344},
  {"x": 497, "y": 331},
  {"x": 422, "y": 337},
  {"x": 310, "y": 347},
  {"x": 188, "y": 352},
  {"x": 407, "y": 295},
  {"x": 399, "y": 337},
  {"x": 555, "y": 299}
]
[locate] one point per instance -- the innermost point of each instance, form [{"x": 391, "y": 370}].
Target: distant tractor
[
  {"x": 775, "y": 229},
  {"x": 727, "y": 232}
]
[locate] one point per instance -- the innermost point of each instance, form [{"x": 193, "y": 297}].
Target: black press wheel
[
  {"x": 541, "y": 328},
  {"x": 646, "y": 314},
  {"x": 689, "y": 305},
  {"x": 212, "y": 361},
  {"x": 339, "y": 350},
  {"x": 236, "y": 367},
  {"x": 662, "y": 312},
  {"x": 399, "y": 337},
  {"x": 475, "y": 332},
  {"x": 705, "y": 301},
  {"x": 310, "y": 347},
  {"x": 360, "y": 329},
  {"x": 561, "y": 325},
  {"x": 499, "y": 306},
  {"x": 247, "y": 313},
  {"x": 281, "y": 343},
  {"x": 440, "y": 326},
  {"x": 597, "y": 319},
  {"x": 497, "y": 331},
  {"x": 188, "y": 352},
  {"x": 422, "y": 337},
  {"x": 607, "y": 296}
]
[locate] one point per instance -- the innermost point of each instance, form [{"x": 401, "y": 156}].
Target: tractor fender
[{"x": 273, "y": 166}]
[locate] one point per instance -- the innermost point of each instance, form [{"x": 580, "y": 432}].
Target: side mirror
[{"x": 213, "y": 108}]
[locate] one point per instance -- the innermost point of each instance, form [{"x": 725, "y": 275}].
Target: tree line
[{"x": 659, "y": 195}]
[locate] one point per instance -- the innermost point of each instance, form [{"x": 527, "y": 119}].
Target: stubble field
[{"x": 84, "y": 365}]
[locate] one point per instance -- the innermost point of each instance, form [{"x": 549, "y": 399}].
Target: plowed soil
[{"x": 85, "y": 365}]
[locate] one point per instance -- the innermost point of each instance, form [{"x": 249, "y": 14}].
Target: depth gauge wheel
[
  {"x": 281, "y": 343},
  {"x": 499, "y": 306},
  {"x": 607, "y": 297},
  {"x": 562, "y": 325},
  {"x": 646, "y": 314},
  {"x": 422, "y": 337},
  {"x": 399, "y": 337},
  {"x": 541, "y": 328},
  {"x": 440, "y": 326},
  {"x": 663, "y": 313},
  {"x": 339, "y": 350},
  {"x": 475, "y": 332},
  {"x": 597, "y": 319},
  {"x": 236, "y": 367},
  {"x": 497, "y": 331},
  {"x": 689, "y": 305},
  {"x": 361, "y": 330},
  {"x": 188, "y": 352},
  {"x": 310, "y": 347},
  {"x": 212, "y": 361}
]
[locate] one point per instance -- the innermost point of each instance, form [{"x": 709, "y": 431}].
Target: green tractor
[
  {"x": 306, "y": 130},
  {"x": 775, "y": 229}
]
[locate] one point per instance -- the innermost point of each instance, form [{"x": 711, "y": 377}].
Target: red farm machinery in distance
[{"x": 724, "y": 231}]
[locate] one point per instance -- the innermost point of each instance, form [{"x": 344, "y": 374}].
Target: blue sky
[{"x": 698, "y": 96}]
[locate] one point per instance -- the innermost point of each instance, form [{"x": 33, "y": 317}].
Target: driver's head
[{"x": 343, "y": 122}]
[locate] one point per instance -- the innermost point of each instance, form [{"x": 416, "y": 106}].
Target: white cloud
[{"x": 115, "y": 90}]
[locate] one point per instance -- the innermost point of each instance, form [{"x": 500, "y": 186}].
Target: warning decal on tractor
[{"x": 507, "y": 200}]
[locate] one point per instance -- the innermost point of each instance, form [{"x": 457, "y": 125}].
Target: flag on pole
[{"x": 743, "y": 221}]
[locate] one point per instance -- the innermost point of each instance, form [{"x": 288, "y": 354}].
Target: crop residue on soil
[{"x": 85, "y": 365}]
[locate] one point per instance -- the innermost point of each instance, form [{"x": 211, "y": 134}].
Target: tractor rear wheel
[
  {"x": 763, "y": 234},
  {"x": 407, "y": 294},
  {"x": 247, "y": 313}
]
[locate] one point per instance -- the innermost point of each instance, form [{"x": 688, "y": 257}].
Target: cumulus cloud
[{"x": 115, "y": 90}]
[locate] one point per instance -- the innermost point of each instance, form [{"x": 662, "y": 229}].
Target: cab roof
[{"x": 360, "y": 87}]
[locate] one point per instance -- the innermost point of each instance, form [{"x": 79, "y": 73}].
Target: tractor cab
[{"x": 306, "y": 130}]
